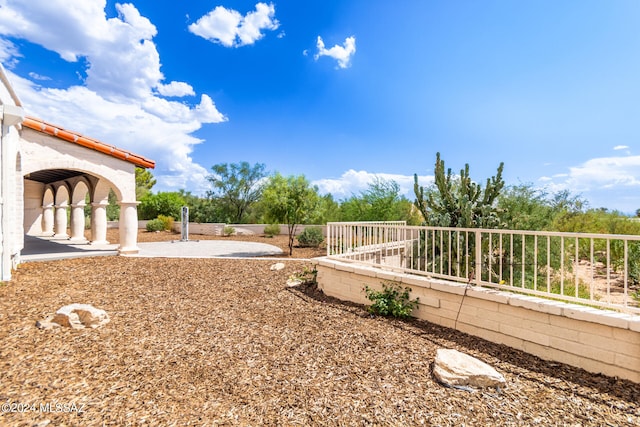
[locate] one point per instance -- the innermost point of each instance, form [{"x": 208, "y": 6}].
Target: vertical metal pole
[
  {"x": 185, "y": 224},
  {"x": 478, "y": 266}
]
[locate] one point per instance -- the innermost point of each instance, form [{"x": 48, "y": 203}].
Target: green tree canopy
[
  {"x": 236, "y": 186},
  {"x": 524, "y": 207},
  {"x": 290, "y": 201},
  {"x": 327, "y": 210},
  {"x": 163, "y": 203},
  {"x": 201, "y": 209},
  {"x": 144, "y": 182},
  {"x": 381, "y": 201}
]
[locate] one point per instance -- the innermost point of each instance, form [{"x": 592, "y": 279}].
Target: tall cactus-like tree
[{"x": 458, "y": 201}]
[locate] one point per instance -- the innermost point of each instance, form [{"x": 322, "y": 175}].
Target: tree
[
  {"x": 290, "y": 201},
  {"x": 327, "y": 210},
  {"x": 144, "y": 182},
  {"x": 202, "y": 209},
  {"x": 566, "y": 207},
  {"x": 382, "y": 201},
  {"x": 236, "y": 186},
  {"x": 523, "y": 207},
  {"x": 163, "y": 203},
  {"x": 459, "y": 201},
  {"x": 113, "y": 208}
]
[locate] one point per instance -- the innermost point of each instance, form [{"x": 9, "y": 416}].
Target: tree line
[{"x": 242, "y": 193}]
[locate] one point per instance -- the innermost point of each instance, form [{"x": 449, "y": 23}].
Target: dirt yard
[{"x": 225, "y": 342}]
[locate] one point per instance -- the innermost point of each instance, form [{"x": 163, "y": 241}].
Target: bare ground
[{"x": 225, "y": 342}]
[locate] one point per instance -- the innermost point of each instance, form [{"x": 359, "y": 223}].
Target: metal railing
[{"x": 600, "y": 270}]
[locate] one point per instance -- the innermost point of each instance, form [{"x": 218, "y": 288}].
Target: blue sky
[{"x": 344, "y": 91}]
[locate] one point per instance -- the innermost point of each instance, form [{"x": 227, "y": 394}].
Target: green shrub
[
  {"x": 167, "y": 222},
  {"x": 155, "y": 225},
  {"x": 272, "y": 230},
  {"x": 228, "y": 230},
  {"x": 307, "y": 276},
  {"x": 393, "y": 300},
  {"x": 311, "y": 237}
]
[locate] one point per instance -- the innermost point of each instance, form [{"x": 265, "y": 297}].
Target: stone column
[
  {"x": 99, "y": 224},
  {"x": 60, "y": 226},
  {"x": 77, "y": 223},
  {"x": 47, "y": 220},
  {"x": 128, "y": 228}
]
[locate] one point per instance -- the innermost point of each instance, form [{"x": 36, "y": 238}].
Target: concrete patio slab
[{"x": 49, "y": 248}]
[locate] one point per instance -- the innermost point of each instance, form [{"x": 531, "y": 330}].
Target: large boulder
[
  {"x": 76, "y": 316},
  {"x": 456, "y": 369}
]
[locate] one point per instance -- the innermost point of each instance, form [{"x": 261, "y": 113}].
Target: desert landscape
[{"x": 226, "y": 342}]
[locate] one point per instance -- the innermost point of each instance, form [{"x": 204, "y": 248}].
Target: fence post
[{"x": 478, "y": 264}]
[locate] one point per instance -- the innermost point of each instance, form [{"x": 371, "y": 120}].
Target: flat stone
[
  {"x": 293, "y": 282},
  {"x": 79, "y": 316},
  {"x": 277, "y": 266},
  {"x": 456, "y": 369}
]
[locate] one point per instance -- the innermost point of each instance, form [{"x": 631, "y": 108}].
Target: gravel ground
[{"x": 225, "y": 342}]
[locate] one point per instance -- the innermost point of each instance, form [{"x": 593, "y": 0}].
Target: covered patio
[
  {"x": 52, "y": 179},
  {"x": 64, "y": 172}
]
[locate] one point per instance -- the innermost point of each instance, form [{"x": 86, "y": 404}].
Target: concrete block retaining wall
[{"x": 596, "y": 340}]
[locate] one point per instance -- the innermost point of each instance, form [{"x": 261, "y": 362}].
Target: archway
[{"x": 69, "y": 167}]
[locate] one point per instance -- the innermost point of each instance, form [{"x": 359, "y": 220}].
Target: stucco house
[{"x": 46, "y": 173}]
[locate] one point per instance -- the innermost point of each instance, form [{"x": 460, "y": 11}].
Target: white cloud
[
  {"x": 611, "y": 182},
  {"x": 9, "y": 53},
  {"x": 36, "y": 76},
  {"x": 177, "y": 89},
  {"x": 353, "y": 182},
  {"x": 621, "y": 147},
  {"x": 229, "y": 28},
  {"x": 121, "y": 102},
  {"x": 342, "y": 54},
  {"x": 607, "y": 171}
]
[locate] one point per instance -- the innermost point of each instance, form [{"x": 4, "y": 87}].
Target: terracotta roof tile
[{"x": 94, "y": 144}]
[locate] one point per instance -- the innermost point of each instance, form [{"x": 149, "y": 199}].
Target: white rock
[
  {"x": 293, "y": 282},
  {"x": 277, "y": 266},
  {"x": 78, "y": 316},
  {"x": 456, "y": 369},
  {"x": 47, "y": 323}
]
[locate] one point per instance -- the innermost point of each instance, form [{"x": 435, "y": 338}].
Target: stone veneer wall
[{"x": 596, "y": 340}]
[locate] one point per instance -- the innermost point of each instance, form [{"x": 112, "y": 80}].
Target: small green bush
[
  {"x": 272, "y": 230},
  {"x": 167, "y": 222},
  {"x": 311, "y": 237},
  {"x": 155, "y": 225},
  {"x": 393, "y": 300},
  {"x": 228, "y": 230}
]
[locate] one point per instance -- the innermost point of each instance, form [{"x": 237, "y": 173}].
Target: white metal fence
[{"x": 596, "y": 269}]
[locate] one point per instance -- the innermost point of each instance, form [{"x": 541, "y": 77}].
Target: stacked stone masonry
[{"x": 596, "y": 340}]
